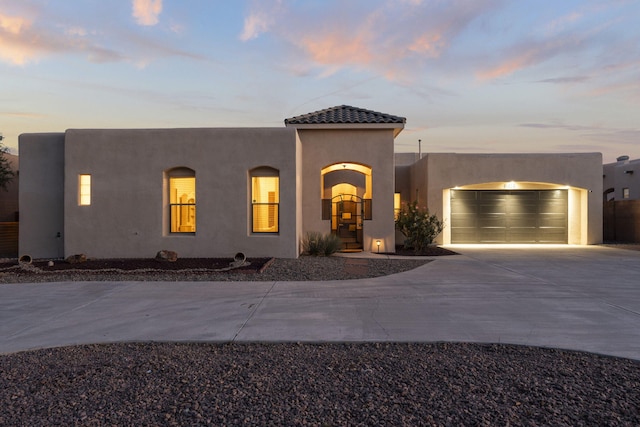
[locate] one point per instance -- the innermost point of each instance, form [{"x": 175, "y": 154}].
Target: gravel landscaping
[
  {"x": 287, "y": 383},
  {"x": 290, "y": 384},
  {"x": 204, "y": 269}
]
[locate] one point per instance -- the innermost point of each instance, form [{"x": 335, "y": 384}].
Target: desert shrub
[
  {"x": 311, "y": 243},
  {"x": 332, "y": 244},
  {"x": 418, "y": 226},
  {"x": 317, "y": 244}
]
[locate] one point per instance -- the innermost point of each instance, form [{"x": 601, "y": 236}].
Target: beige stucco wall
[
  {"x": 41, "y": 195},
  {"x": 370, "y": 147},
  {"x": 127, "y": 215},
  {"x": 581, "y": 173}
]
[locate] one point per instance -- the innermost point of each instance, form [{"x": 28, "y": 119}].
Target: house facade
[
  {"x": 213, "y": 192},
  {"x": 622, "y": 179}
]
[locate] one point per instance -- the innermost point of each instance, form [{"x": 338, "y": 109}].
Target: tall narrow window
[
  {"x": 84, "y": 190},
  {"x": 397, "y": 206},
  {"x": 182, "y": 201},
  {"x": 265, "y": 200}
]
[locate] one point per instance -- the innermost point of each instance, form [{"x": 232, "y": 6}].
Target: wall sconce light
[
  {"x": 378, "y": 243},
  {"x": 629, "y": 172},
  {"x": 511, "y": 185}
]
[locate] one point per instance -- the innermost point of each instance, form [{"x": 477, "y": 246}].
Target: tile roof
[{"x": 344, "y": 114}]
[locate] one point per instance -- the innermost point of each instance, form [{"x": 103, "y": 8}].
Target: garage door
[{"x": 509, "y": 216}]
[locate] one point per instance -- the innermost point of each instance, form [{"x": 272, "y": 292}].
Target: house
[
  {"x": 622, "y": 179},
  {"x": 621, "y": 216},
  {"x": 213, "y": 192}
]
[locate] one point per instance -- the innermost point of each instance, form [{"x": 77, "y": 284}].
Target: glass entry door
[{"x": 346, "y": 220}]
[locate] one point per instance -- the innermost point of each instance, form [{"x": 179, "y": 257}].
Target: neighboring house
[
  {"x": 215, "y": 192},
  {"x": 621, "y": 180},
  {"x": 621, "y": 184}
]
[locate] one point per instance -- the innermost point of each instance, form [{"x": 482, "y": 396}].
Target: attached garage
[{"x": 509, "y": 216}]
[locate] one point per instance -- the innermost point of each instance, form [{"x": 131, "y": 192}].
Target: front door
[{"x": 346, "y": 221}]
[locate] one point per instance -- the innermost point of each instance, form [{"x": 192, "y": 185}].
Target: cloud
[
  {"x": 176, "y": 28},
  {"x": 600, "y": 134},
  {"x": 393, "y": 38},
  {"x": 564, "y": 80},
  {"x": 22, "y": 40},
  {"x": 12, "y": 47},
  {"x": 559, "y": 126},
  {"x": 529, "y": 53},
  {"x": 263, "y": 16},
  {"x": 13, "y": 24},
  {"x": 143, "y": 48},
  {"x": 20, "y": 114},
  {"x": 562, "y": 23},
  {"x": 573, "y": 40},
  {"x": 254, "y": 25},
  {"x": 146, "y": 12},
  {"x": 76, "y": 31},
  {"x": 31, "y": 34}
]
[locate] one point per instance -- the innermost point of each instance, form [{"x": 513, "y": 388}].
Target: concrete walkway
[{"x": 582, "y": 298}]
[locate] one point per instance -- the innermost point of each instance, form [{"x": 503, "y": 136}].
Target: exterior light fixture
[
  {"x": 511, "y": 185},
  {"x": 378, "y": 243},
  {"x": 630, "y": 172}
]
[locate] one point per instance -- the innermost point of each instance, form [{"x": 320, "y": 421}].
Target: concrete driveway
[{"x": 582, "y": 298}]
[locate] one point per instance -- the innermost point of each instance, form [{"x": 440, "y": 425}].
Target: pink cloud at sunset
[
  {"x": 146, "y": 11},
  {"x": 13, "y": 46}
]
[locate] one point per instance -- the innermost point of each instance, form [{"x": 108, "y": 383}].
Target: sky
[{"x": 470, "y": 76}]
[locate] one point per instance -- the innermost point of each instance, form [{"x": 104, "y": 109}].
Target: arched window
[
  {"x": 265, "y": 200},
  {"x": 182, "y": 200}
]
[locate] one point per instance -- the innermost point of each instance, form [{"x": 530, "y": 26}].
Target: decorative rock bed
[{"x": 386, "y": 384}]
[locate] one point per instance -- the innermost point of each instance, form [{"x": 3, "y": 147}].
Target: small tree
[
  {"x": 418, "y": 226},
  {"x": 6, "y": 174}
]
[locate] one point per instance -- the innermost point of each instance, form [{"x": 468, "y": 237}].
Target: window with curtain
[{"x": 265, "y": 200}]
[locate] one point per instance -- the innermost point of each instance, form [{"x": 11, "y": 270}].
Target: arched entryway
[{"x": 346, "y": 197}]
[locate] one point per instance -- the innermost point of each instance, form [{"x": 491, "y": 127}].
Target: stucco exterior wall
[
  {"x": 436, "y": 173},
  {"x": 373, "y": 148},
  {"x": 129, "y": 208},
  {"x": 41, "y": 195}
]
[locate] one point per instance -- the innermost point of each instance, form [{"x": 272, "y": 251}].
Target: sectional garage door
[{"x": 509, "y": 216}]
